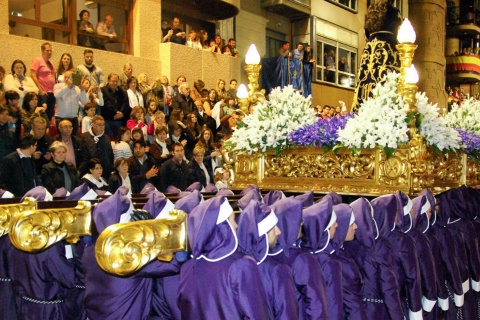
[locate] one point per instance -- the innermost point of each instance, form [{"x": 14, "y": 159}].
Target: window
[
  {"x": 336, "y": 61},
  {"x": 59, "y": 21},
  {"x": 349, "y": 4},
  {"x": 274, "y": 42}
]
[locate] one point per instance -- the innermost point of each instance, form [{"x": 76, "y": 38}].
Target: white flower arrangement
[
  {"x": 434, "y": 128},
  {"x": 381, "y": 121},
  {"x": 466, "y": 116},
  {"x": 270, "y": 123}
]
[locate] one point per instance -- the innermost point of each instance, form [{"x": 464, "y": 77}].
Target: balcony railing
[{"x": 465, "y": 67}]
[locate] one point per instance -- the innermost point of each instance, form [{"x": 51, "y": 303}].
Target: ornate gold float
[
  {"x": 36, "y": 230},
  {"x": 125, "y": 248},
  {"x": 410, "y": 169},
  {"x": 9, "y": 211}
]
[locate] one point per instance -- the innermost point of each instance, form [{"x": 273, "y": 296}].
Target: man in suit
[{"x": 17, "y": 170}]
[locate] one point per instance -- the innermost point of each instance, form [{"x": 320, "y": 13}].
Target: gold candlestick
[{"x": 253, "y": 74}]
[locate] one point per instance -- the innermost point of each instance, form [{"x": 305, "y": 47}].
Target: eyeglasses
[{"x": 67, "y": 127}]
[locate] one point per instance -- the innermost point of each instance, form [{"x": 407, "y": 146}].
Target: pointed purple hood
[
  {"x": 420, "y": 218},
  {"x": 194, "y": 186},
  {"x": 458, "y": 207},
  {"x": 345, "y": 218},
  {"x": 188, "y": 203},
  {"x": 431, "y": 199},
  {"x": 367, "y": 230},
  {"x": 384, "y": 212},
  {"x": 253, "y": 194},
  {"x": 289, "y": 214},
  {"x": 148, "y": 189},
  {"x": 253, "y": 225},
  {"x": 108, "y": 211},
  {"x": 443, "y": 211},
  {"x": 307, "y": 198},
  {"x": 316, "y": 220},
  {"x": 273, "y": 196},
  {"x": 210, "y": 234},
  {"x": 248, "y": 189},
  {"x": 158, "y": 205},
  {"x": 404, "y": 205},
  {"x": 38, "y": 193},
  {"x": 336, "y": 198},
  {"x": 470, "y": 202},
  {"x": 83, "y": 191}
]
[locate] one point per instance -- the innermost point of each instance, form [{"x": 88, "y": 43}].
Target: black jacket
[
  {"x": 14, "y": 177},
  {"x": 114, "y": 101},
  {"x": 53, "y": 178},
  {"x": 174, "y": 174},
  {"x": 137, "y": 173},
  {"x": 196, "y": 174},
  {"x": 101, "y": 150}
]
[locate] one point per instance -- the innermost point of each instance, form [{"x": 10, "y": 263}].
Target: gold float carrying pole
[
  {"x": 36, "y": 230},
  {"x": 10, "y": 211},
  {"x": 125, "y": 248}
]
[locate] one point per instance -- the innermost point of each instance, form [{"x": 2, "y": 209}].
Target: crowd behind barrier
[{"x": 262, "y": 255}]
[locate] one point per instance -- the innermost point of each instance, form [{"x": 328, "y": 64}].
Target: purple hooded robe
[
  {"x": 421, "y": 224},
  {"x": 254, "y": 223},
  {"x": 307, "y": 272},
  {"x": 108, "y": 296},
  {"x": 165, "y": 289},
  {"x": 219, "y": 282},
  {"x": 351, "y": 278},
  {"x": 406, "y": 268},
  {"x": 461, "y": 223},
  {"x": 317, "y": 220},
  {"x": 374, "y": 256}
]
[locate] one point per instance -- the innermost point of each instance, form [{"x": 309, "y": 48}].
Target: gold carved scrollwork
[
  {"x": 36, "y": 230},
  {"x": 472, "y": 173},
  {"x": 448, "y": 167},
  {"x": 125, "y": 248},
  {"x": 394, "y": 171},
  {"x": 9, "y": 211},
  {"x": 246, "y": 167},
  {"x": 320, "y": 165}
]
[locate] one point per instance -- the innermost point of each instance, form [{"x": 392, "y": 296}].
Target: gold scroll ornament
[
  {"x": 36, "y": 230},
  {"x": 125, "y": 248},
  {"x": 9, "y": 211}
]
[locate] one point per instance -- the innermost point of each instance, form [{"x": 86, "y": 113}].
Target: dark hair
[
  {"x": 61, "y": 69},
  {"x": 27, "y": 140},
  {"x": 23, "y": 64},
  {"x": 87, "y": 51},
  {"x": 182, "y": 77},
  {"x": 121, "y": 132},
  {"x": 141, "y": 142},
  {"x": 132, "y": 78},
  {"x": 11, "y": 95},
  {"x": 175, "y": 115},
  {"x": 199, "y": 85},
  {"x": 90, "y": 105},
  {"x": 135, "y": 130},
  {"x": 284, "y": 43},
  {"x": 208, "y": 145},
  {"x": 177, "y": 127},
  {"x": 2, "y": 70},
  {"x": 44, "y": 45},
  {"x": 112, "y": 75},
  {"x": 82, "y": 12},
  {"x": 26, "y": 100},
  {"x": 231, "y": 39},
  {"x": 233, "y": 80},
  {"x": 92, "y": 163},
  {"x": 177, "y": 144}
]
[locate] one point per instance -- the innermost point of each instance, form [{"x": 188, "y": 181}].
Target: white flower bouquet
[{"x": 268, "y": 126}]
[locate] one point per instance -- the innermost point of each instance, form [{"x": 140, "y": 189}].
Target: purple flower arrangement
[
  {"x": 323, "y": 134},
  {"x": 471, "y": 143}
]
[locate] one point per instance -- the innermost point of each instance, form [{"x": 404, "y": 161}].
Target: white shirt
[{"x": 135, "y": 99}]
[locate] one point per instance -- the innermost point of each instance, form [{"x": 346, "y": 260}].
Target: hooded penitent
[
  {"x": 39, "y": 194},
  {"x": 425, "y": 256},
  {"x": 289, "y": 215},
  {"x": 82, "y": 192},
  {"x": 404, "y": 220},
  {"x": 253, "y": 194},
  {"x": 307, "y": 198},
  {"x": 218, "y": 270},
  {"x": 254, "y": 223},
  {"x": 374, "y": 256},
  {"x": 273, "y": 196},
  {"x": 112, "y": 297}
]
